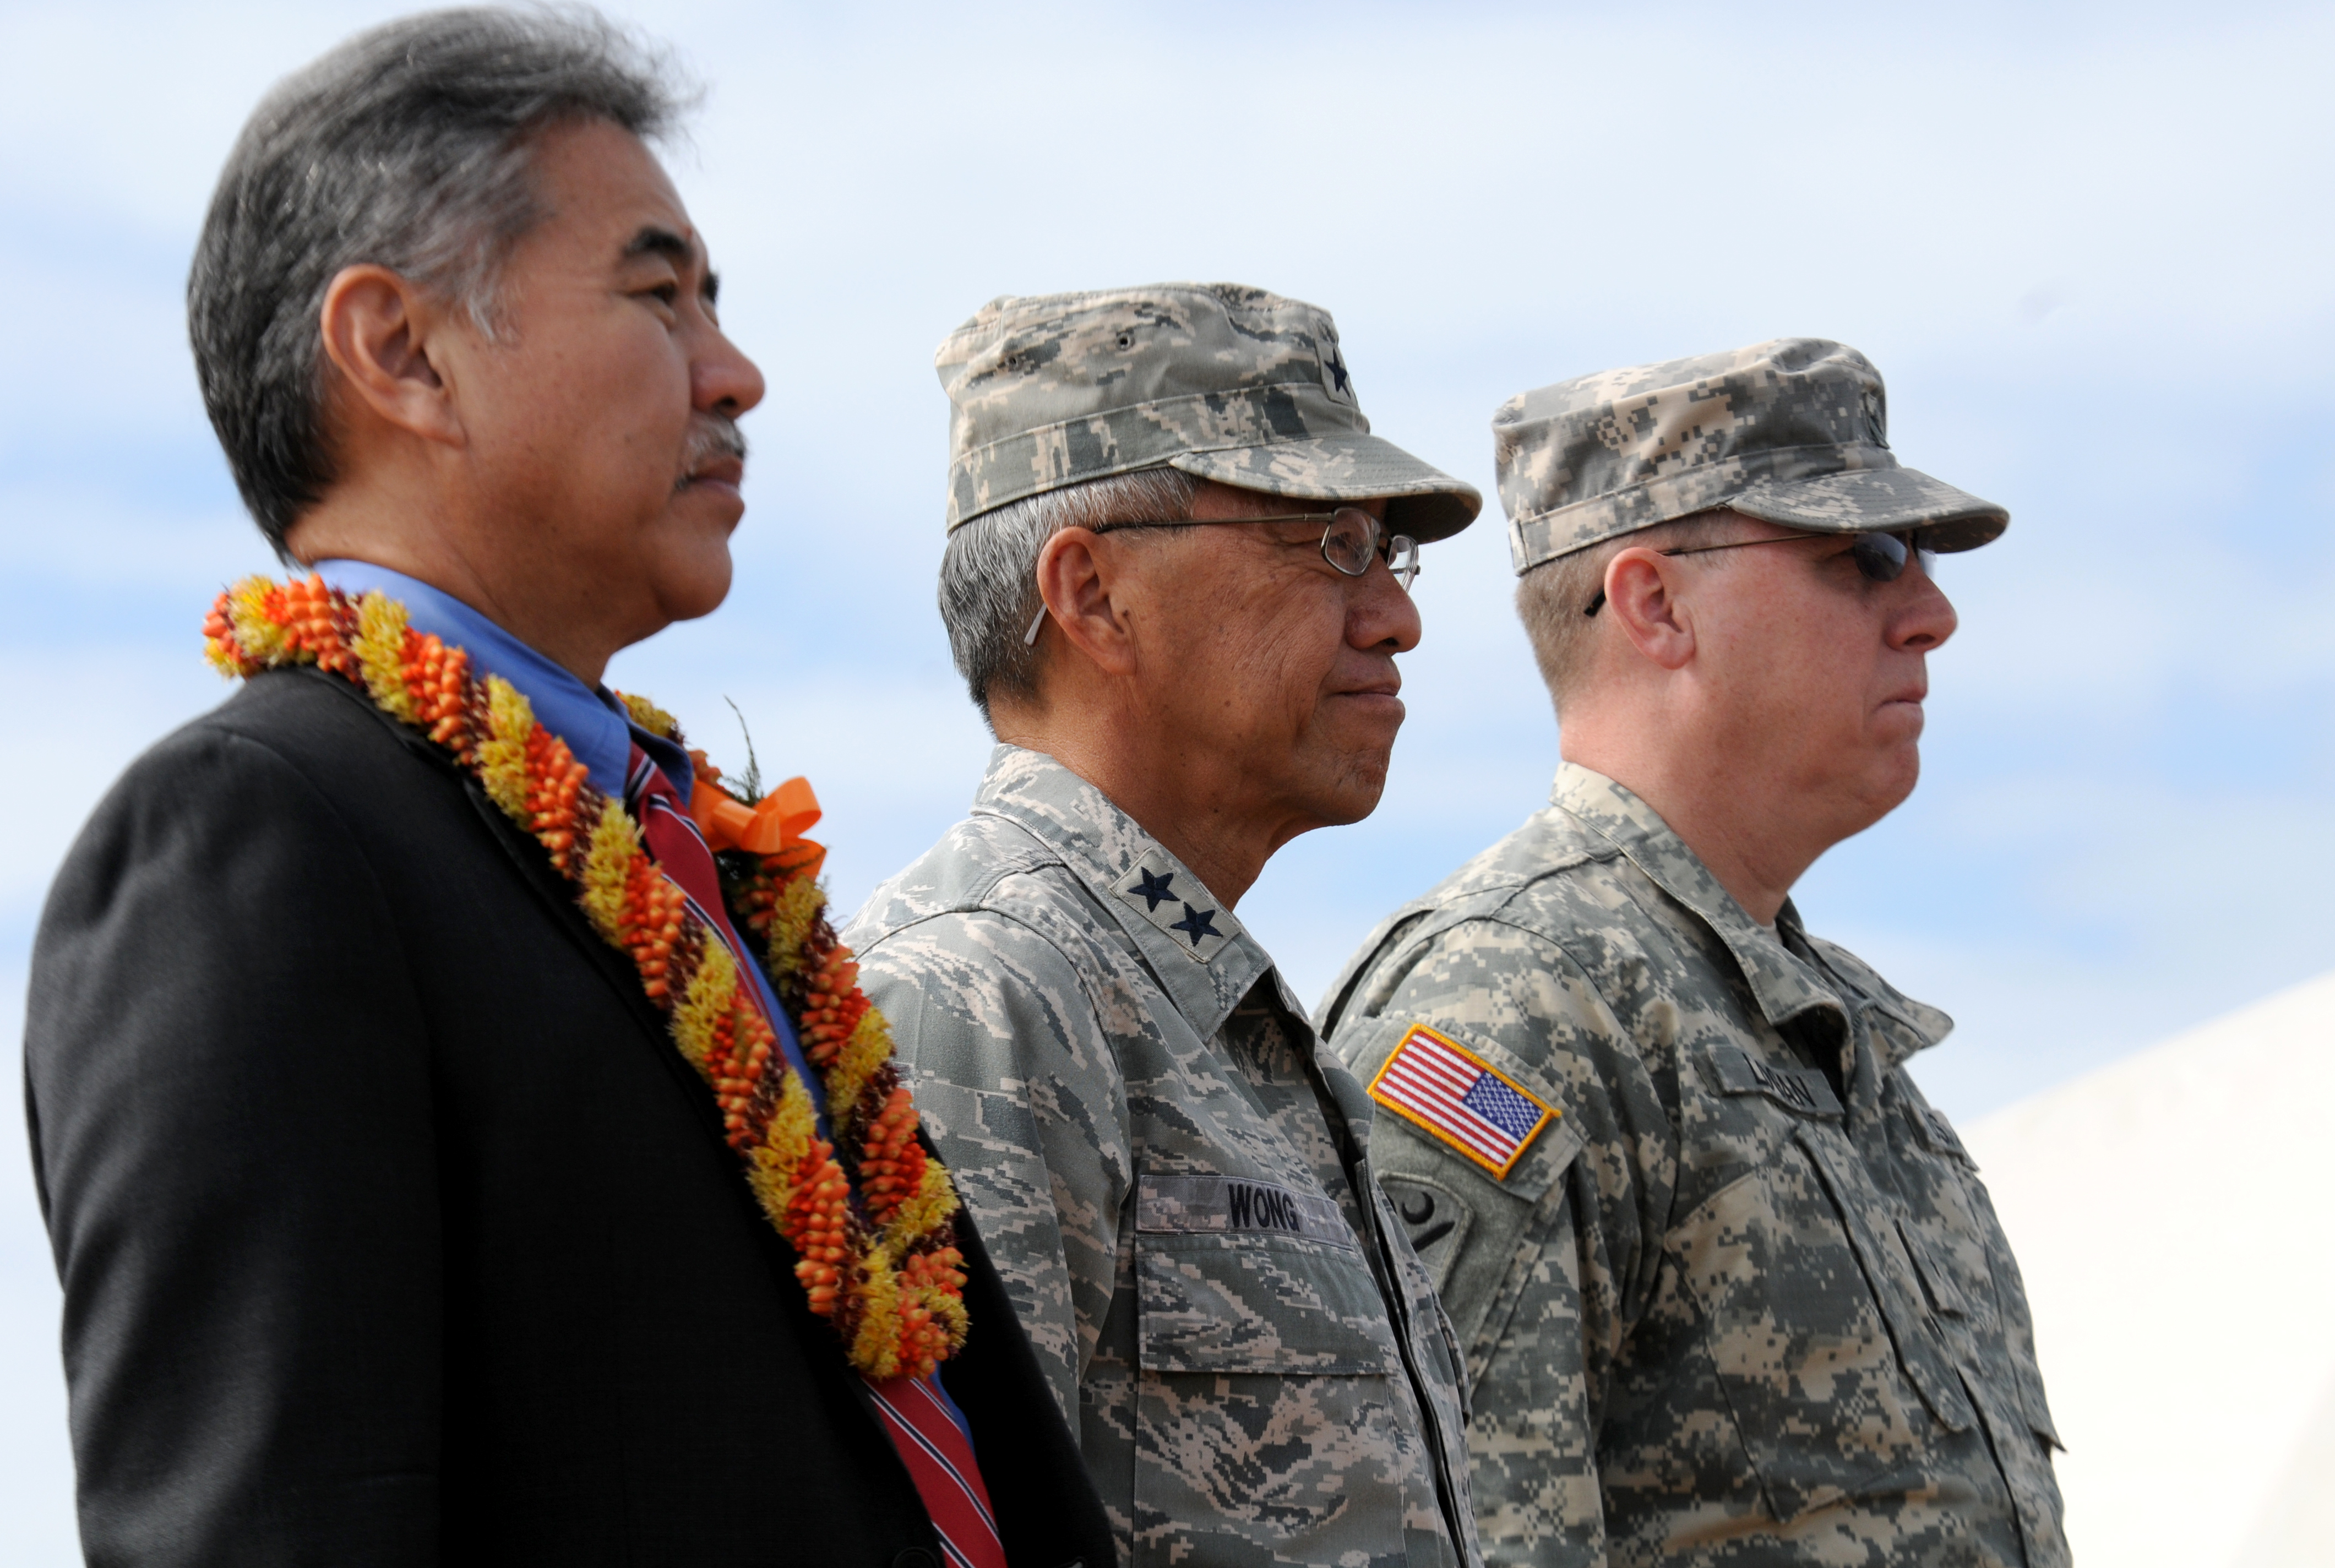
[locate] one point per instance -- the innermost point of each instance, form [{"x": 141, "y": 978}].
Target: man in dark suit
[{"x": 393, "y": 1226}]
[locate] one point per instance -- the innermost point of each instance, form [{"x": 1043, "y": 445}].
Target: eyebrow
[{"x": 653, "y": 240}]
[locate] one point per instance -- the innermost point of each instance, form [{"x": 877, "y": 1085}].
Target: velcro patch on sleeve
[{"x": 1437, "y": 1084}]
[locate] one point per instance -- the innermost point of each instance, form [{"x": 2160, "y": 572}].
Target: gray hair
[
  {"x": 409, "y": 147},
  {"x": 989, "y": 577},
  {"x": 1551, "y": 597}
]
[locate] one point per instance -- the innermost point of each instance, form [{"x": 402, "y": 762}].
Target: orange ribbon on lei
[{"x": 773, "y": 825}]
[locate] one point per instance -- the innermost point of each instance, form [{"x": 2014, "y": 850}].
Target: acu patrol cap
[
  {"x": 1793, "y": 432},
  {"x": 1213, "y": 379}
]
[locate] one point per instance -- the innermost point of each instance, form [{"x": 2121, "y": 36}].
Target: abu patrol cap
[
  {"x": 1793, "y": 432},
  {"x": 1213, "y": 379}
]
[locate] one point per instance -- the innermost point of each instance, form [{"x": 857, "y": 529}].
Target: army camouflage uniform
[
  {"x": 1173, "y": 1178},
  {"x": 1744, "y": 1300},
  {"x": 1795, "y": 432}
]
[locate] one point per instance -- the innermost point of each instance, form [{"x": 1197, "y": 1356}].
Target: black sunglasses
[{"x": 1879, "y": 558}]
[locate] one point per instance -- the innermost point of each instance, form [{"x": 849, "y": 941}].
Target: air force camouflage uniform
[
  {"x": 1170, "y": 1171},
  {"x": 1173, "y": 1179},
  {"x": 1216, "y": 381},
  {"x": 1741, "y": 1298}
]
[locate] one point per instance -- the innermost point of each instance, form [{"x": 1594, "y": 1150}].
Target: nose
[
  {"x": 1925, "y": 618},
  {"x": 722, "y": 379},
  {"x": 1381, "y": 615}
]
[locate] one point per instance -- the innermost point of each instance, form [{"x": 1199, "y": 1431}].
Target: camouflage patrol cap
[
  {"x": 1794, "y": 431},
  {"x": 1213, "y": 379}
]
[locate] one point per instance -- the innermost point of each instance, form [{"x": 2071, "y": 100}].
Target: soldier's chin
[
  {"x": 1894, "y": 782},
  {"x": 1359, "y": 786},
  {"x": 1363, "y": 724}
]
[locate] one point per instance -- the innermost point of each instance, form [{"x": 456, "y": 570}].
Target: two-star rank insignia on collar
[
  {"x": 1197, "y": 924},
  {"x": 1153, "y": 886},
  {"x": 1172, "y": 900}
]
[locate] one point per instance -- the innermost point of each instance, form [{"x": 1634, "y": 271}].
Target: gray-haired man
[
  {"x": 1171, "y": 1172},
  {"x": 398, "y": 1221},
  {"x": 1731, "y": 1292}
]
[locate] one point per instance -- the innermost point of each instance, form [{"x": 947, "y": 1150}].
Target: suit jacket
[{"x": 395, "y": 1230}]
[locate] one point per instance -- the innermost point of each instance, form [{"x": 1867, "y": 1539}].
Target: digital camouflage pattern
[
  {"x": 1733, "y": 1307},
  {"x": 1795, "y": 432},
  {"x": 1217, "y": 380},
  {"x": 1173, "y": 1178}
]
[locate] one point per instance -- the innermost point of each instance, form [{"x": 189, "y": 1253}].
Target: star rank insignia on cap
[
  {"x": 1175, "y": 901},
  {"x": 1336, "y": 379}
]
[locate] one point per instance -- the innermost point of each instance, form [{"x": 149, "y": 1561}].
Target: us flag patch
[{"x": 1436, "y": 1083}]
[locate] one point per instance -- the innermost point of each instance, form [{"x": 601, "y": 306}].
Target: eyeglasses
[
  {"x": 1351, "y": 540},
  {"x": 1879, "y": 558}
]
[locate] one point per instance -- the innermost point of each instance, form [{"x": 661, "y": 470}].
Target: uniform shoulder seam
[
  {"x": 1497, "y": 915},
  {"x": 1086, "y": 991}
]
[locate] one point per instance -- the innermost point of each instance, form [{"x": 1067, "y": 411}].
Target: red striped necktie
[{"x": 923, "y": 1429}]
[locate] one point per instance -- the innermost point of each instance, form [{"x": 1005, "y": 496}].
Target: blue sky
[{"x": 2086, "y": 245}]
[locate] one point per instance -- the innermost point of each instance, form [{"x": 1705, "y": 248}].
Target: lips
[
  {"x": 1387, "y": 682},
  {"x": 716, "y": 454},
  {"x": 1380, "y": 692},
  {"x": 721, "y": 472}
]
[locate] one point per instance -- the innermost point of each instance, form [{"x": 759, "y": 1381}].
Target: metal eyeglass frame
[
  {"x": 1876, "y": 561},
  {"x": 1402, "y": 553}
]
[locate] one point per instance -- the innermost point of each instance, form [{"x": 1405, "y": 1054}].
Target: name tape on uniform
[
  {"x": 1187, "y": 1205},
  {"x": 1437, "y": 1084},
  {"x": 1800, "y": 1089}
]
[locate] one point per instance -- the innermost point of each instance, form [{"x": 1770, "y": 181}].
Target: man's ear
[
  {"x": 379, "y": 332},
  {"x": 1641, "y": 594},
  {"x": 1076, "y": 574}
]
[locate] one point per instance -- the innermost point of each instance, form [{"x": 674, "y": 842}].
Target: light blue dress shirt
[{"x": 589, "y": 719}]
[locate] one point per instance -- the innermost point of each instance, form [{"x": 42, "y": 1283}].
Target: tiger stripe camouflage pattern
[{"x": 1172, "y": 1175}]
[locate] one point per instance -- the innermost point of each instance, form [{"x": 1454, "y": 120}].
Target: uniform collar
[
  {"x": 1783, "y": 984},
  {"x": 1203, "y": 958}
]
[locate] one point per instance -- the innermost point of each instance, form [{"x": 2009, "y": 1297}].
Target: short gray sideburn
[{"x": 989, "y": 576}]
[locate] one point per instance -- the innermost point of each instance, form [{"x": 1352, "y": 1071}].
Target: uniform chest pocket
[
  {"x": 1267, "y": 1422},
  {"x": 1814, "y": 1327},
  {"x": 1238, "y": 1276},
  {"x": 1958, "y": 1239}
]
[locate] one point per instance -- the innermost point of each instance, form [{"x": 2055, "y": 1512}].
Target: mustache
[{"x": 710, "y": 437}]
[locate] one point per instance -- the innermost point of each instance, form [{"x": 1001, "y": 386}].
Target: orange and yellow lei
[{"x": 884, "y": 1270}]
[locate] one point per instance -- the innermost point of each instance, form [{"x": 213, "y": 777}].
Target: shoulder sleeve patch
[
  {"x": 1439, "y": 1085},
  {"x": 1436, "y": 1219}
]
